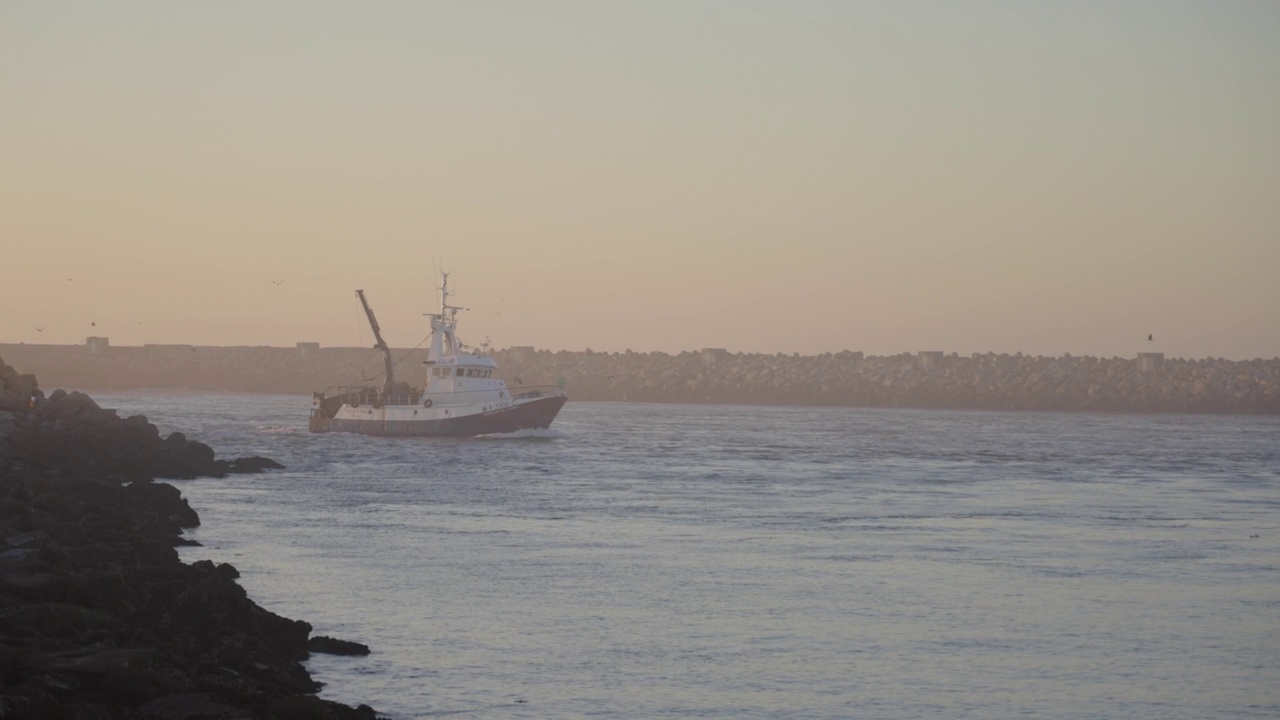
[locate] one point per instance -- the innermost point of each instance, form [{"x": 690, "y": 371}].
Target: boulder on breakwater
[
  {"x": 98, "y": 615},
  {"x": 929, "y": 379}
]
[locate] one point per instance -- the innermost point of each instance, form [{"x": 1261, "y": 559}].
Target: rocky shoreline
[
  {"x": 99, "y": 618},
  {"x": 1147, "y": 382}
]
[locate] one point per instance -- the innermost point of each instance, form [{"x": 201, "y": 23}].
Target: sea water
[{"x": 647, "y": 561}]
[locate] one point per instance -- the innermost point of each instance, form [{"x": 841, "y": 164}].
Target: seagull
[
  {"x": 93, "y": 324},
  {"x": 277, "y": 282},
  {"x": 39, "y": 329},
  {"x": 1150, "y": 338}
]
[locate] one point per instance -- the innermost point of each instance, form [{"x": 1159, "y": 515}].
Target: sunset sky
[{"x": 1043, "y": 177}]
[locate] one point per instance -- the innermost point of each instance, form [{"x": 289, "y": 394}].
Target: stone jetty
[
  {"x": 1147, "y": 382},
  {"x": 99, "y": 618}
]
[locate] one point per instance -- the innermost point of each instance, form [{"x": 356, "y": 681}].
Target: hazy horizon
[
  {"x": 375, "y": 360},
  {"x": 1044, "y": 178}
]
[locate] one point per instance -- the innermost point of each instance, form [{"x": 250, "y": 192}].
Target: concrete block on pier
[
  {"x": 1147, "y": 362},
  {"x": 929, "y": 359},
  {"x": 96, "y": 344},
  {"x": 710, "y": 356}
]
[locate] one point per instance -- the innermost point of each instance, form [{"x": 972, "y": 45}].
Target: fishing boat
[{"x": 459, "y": 396}]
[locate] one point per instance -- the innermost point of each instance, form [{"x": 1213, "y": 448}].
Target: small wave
[
  {"x": 279, "y": 429},
  {"x": 528, "y": 434}
]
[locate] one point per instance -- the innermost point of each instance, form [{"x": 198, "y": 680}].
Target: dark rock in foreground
[
  {"x": 254, "y": 464},
  {"x": 331, "y": 646},
  {"x": 99, "y": 618}
]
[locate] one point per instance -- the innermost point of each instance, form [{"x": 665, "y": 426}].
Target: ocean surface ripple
[{"x": 643, "y": 561}]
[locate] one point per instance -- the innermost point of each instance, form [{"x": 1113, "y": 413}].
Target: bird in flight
[
  {"x": 277, "y": 282},
  {"x": 93, "y": 324},
  {"x": 1150, "y": 337},
  {"x": 39, "y": 329}
]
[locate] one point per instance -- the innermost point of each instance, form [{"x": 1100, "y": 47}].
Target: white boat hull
[{"x": 456, "y": 421}]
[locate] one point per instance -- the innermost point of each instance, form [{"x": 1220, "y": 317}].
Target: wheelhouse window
[{"x": 460, "y": 372}]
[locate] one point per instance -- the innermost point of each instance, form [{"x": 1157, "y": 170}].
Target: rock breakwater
[
  {"x": 99, "y": 618},
  {"x": 925, "y": 380},
  {"x": 1147, "y": 383}
]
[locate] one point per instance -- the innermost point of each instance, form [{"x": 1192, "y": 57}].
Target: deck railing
[{"x": 523, "y": 392}]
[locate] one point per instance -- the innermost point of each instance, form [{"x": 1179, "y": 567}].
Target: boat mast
[
  {"x": 445, "y": 307},
  {"x": 381, "y": 345},
  {"x": 443, "y": 323}
]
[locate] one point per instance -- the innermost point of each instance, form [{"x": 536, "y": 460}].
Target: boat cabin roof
[{"x": 465, "y": 360}]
